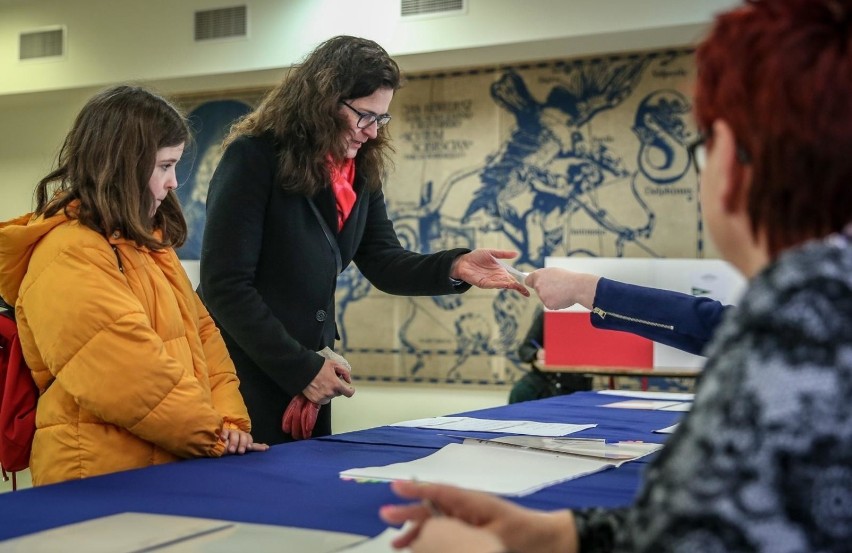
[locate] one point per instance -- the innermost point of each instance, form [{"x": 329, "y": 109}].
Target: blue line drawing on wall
[{"x": 539, "y": 191}]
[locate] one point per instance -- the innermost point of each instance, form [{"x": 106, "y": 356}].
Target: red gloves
[{"x": 300, "y": 417}]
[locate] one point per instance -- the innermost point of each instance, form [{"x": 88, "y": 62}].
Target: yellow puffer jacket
[{"x": 131, "y": 369}]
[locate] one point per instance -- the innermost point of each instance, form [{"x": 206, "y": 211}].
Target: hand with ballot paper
[
  {"x": 333, "y": 380},
  {"x": 449, "y": 519},
  {"x": 558, "y": 288},
  {"x": 482, "y": 268}
]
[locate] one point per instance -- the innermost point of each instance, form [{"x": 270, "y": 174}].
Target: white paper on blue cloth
[
  {"x": 504, "y": 471},
  {"x": 469, "y": 424},
  {"x": 645, "y": 394}
]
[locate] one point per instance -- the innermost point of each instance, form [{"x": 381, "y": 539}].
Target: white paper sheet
[
  {"x": 641, "y": 404},
  {"x": 469, "y": 424},
  {"x": 504, "y": 471},
  {"x": 685, "y": 406},
  {"x": 520, "y": 276},
  {"x": 642, "y": 394},
  {"x": 666, "y": 430}
]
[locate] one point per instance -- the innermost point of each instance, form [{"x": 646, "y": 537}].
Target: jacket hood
[{"x": 18, "y": 239}]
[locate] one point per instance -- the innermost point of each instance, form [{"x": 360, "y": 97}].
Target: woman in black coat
[{"x": 296, "y": 197}]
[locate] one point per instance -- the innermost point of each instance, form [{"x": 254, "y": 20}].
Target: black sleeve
[
  {"x": 395, "y": 270},
  {"x": 233, "y": 237}
]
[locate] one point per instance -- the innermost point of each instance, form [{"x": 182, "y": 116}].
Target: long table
[
  {"x": 297, "y": 484},
  {"x": 613, "y": 372}
]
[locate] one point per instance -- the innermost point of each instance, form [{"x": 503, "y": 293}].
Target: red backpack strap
[{"x": 18, "y": 400}]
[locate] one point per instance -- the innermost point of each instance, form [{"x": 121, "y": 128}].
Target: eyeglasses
[
  {"x": 698, "y": 153},
  {"x": 366, "y": 119}
]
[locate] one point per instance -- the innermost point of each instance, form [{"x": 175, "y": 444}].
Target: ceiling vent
[
  {"x": 42, "y": 43},
  {"x": 221, "y": 23},
  {"x": 432, "y": 8}
]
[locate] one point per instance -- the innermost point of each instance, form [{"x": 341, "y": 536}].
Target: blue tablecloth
[{"x": 297, "y": 484}]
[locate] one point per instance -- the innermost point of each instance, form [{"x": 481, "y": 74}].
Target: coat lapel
[{"x": 324, "y": 200}]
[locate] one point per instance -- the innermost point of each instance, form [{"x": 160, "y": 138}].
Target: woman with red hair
[{"x": 763, "y": 462}]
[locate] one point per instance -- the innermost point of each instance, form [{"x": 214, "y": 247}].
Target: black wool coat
[{"x": 269, "y": 273}]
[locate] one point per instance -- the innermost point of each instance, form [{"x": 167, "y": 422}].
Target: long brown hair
[
  {"x": 106, "y": 162},
  {"x": 303, "y": 113}
]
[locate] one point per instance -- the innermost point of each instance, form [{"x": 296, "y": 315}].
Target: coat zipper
[{"x": 602, "y": 314}]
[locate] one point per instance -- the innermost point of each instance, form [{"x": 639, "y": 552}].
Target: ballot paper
[
  {"x": 470, "y": 424},
  {"x": 650, "y": 405},
  {"x": 685, "y": 406},
  {"x": 504, "y": 468},
  {"x": 520, "y": 276},
  {"x": 645, "y": 394}
]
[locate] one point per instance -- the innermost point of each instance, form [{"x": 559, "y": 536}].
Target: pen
[{"x": 536, "y": 344}]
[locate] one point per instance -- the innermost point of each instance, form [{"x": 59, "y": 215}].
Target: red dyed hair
[{"x": 779, "y": 72}]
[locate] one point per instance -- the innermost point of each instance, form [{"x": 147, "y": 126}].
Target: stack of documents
[
  {"x": 663, "y": 401},
  {"x": 470, "y": 424}
]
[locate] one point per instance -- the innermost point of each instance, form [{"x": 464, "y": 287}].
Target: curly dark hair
[{"x": 303, "y": 113}]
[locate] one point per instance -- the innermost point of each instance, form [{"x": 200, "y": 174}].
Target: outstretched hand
[
  {"x": 518, "y": 528},
  {"x": 559, "y": 288},
  {"x": 480, "y": 268}
]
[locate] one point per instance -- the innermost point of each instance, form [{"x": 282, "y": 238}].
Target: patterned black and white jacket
[{"x": 763, "y": 462}]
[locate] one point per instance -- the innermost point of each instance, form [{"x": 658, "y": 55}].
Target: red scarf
[{"x": 342, "y": 177}]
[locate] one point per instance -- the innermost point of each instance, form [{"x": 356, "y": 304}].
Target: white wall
[
  {"x": 109, "y": 40},
  {"x": 151, "y": 41},
  {"x": 378, "y": 404}
]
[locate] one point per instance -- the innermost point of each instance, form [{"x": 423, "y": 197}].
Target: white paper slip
[
  {"x": 520, "y": 276},
  {"x": 642, "y": 394},
  {"x": 470, "y": 424},
  {"x": 685, "y": 406},
  {"x": 666, "y": 430},
  {"x": 641, "y": 404},
  {"x": 501, "y": 470}
]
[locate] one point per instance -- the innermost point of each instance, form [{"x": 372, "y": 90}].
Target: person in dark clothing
[
  {"x": 296, "y": 197},
  {"x": 538, "y": 384}
]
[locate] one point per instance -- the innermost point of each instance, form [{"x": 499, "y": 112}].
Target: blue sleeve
[{"x": 678, "y": 320}]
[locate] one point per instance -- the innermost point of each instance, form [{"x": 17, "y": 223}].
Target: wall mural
[{"x": 584, "y": 157}]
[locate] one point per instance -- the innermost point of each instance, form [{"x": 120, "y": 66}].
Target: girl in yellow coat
[{"x": 130, "y": 367}]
